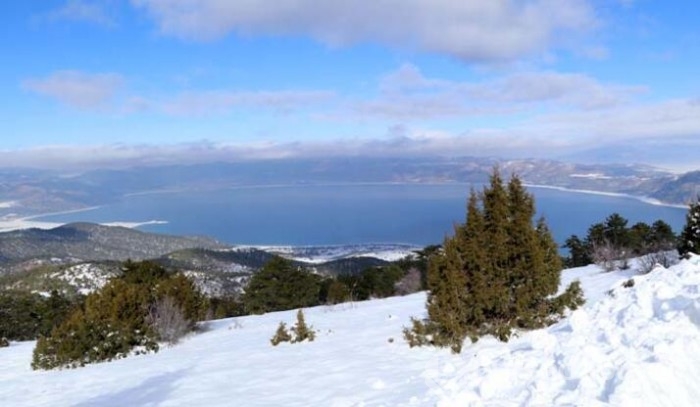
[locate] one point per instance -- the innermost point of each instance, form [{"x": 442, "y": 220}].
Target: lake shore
[
  {"x": 645, "y": 199},
  {"x": 9, "y": 223}
]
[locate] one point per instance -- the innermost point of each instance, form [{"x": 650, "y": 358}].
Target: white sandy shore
[
  {"x": 11, "y": 222},
  {"x": 645, "y": 199}
]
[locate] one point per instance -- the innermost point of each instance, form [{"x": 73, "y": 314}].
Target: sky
[{"x": 98, "y": 82}]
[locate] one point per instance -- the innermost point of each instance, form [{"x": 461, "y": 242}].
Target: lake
[{"x": 350, "y": 214}]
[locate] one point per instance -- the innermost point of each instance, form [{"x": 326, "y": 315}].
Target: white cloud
[
  {"x": 407, "y": 94},
  {"x": 82, "y": 10},
  {"x": 577, "y": 90},
  {"x": 661, "y": 120},
  {"x": 104, "y": 91},
  {"x": 470, "y": 30},
  {"x": 654, "y": 133},
  {"x": 77, "y": 89},
  {"x": 221, "y": 101}
]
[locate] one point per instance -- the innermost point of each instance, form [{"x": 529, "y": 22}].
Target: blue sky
[{"x": 97, "y": 82}]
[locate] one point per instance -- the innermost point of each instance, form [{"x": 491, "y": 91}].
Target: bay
[{"x": 304, "y": 215}]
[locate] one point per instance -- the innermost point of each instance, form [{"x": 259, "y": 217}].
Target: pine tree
[
  {"x": 302, "y": 331},
  {"x": 498, "y": 272},
  {"x": 690, "y": 236}
]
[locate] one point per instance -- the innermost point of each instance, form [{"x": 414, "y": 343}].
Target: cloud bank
[{"x": 469, "y": 30}]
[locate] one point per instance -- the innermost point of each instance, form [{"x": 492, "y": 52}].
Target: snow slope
[{"x": 637, "y": 346}]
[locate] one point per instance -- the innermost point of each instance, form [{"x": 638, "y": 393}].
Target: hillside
[
  {"x": 634, "y": 346},
  {"x": 80, "y": 258},
  {"x": 86, "y": 241},
  {"x": 682, "y": 189}
]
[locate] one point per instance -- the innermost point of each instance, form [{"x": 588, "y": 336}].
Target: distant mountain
[{"x": 680, "y": 190}]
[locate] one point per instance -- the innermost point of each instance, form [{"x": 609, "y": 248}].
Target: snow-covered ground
[
  {"x": 85, "y": 277},
  {"x": 636, "y": 346}
]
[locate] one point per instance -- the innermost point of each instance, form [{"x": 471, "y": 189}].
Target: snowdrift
[{"x": 628, "y": 346}]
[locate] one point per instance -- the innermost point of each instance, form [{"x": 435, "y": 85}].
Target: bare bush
[
  {"x": 410, "y": 283},
  {"x": 168, "y": 320},
  {"x": 610, "y": 256},
  {"x": 662, "y": 258}
]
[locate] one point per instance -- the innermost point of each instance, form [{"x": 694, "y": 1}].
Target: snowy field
[{"x": 637, "y": 346}]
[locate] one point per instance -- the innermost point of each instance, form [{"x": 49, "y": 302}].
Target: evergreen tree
[
  {"x": 640, "y": 238},
  {"x": 498, "y": 272},
  {"x": 116, "y": 319},
  {"x": 280, "y": 285},
  {"x": 615, "y": 231},
  {"x": 663, "y": 236},
  {"x": 690, "y": 236},
  {"x": 579, "y": 252}
]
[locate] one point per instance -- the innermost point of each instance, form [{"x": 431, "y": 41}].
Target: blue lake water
[{"x": 350, "y": 214}]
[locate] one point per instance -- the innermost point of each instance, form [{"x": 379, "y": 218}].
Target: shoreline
[
  {"x": 8, "y": 224},
  {"x": 644, "y": 199}
]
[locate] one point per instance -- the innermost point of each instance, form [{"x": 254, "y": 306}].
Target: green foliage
[
  {"x": 281, "y": 335},
  {"x": 25, "y": 316},
  {"x": 373, "y": 282},
  {"x": 498, "y": 272},
  {"x": 279, "y": 285},
  {"x": 612, "y": 241},
  {"x": 145, "y": 272},
  {"x": 118, "y": 319},
  {"x": 226, "y": 307},
  {"x": 579, "y": 252},
  {"x": 337, "y": 292},
  {"x": 572, "y": 298},
  {"x": 690, "y": 236}
]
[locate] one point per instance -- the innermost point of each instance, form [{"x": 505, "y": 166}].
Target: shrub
[
  {"x": 281, "y": 335},
  {"x": 168, "y": 320},
  {"x": 302, "y": 332},
  {"x": 649, "y": 261},
  {"x": 608, "y": 256},
  {"x": 4, "y": 343},
  {"x": 410, "y": 283},
  {"x": 129, "y": 314}
]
